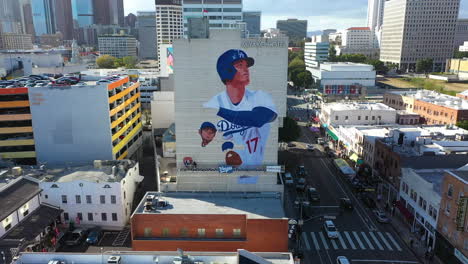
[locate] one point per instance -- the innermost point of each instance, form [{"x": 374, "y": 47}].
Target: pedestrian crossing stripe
[{"x": 351, "y": 240}]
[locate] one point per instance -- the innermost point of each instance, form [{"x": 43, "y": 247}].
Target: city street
[{"x": 360, "y": 237}]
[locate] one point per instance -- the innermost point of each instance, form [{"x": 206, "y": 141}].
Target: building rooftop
[
  {"x": 137, "y": 257},
  {"x": 254, "y": 205},
  {"x": 357, "y": 106},
  {"x": 436, "y": 98},
  {"x": 465, "y": 93},
  {"x": 100, "y": 171},
  {"x": 15, "y": 194},
  {"x": 358, "y": 28},
  {"x": 434, "y": 176},
  {"x": 461, "y": 173}
]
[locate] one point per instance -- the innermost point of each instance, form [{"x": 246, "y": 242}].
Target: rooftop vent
[{"x": 114, "y": 260}]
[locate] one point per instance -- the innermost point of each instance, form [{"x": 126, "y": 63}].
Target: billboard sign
[
  {"x": 273, "y": 169},
  {"x": 170, "y": 59},
  {"x": 461, "y": 213}
]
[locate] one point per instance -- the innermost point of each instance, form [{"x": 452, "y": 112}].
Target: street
[{"x": 360, "y": 237}]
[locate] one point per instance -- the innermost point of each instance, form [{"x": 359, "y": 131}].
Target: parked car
[
  {"x": 368, "y": 201},
  {"x": 291, "y": 145},
  {"x": 288, "y": 179},
  {"x": 301, "y": 172},
  {"x": 94, "y": 236},
  {"x": 320, "y": 141},
  {"x": 330, "y": 229},
  {"x": 331, "y": 154},
  {"x": 346, "y": 204},
  {"x": 310, "y": 147},
  {"x": 342, "y": 260},
  {"x": 75, "y": 237},
  {"x": 381, "y": 216},
  {"x": 313, "y": 195},
  {"x": 301, "y": 184}
]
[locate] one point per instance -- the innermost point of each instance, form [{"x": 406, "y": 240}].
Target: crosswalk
[{"x": 351, "y": 240}]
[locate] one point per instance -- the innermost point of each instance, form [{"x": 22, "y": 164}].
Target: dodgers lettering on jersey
[{"x": 249, "y": 142}]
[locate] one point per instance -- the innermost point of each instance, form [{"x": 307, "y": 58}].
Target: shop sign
[
  {"x": 273, "y": 168},
  {"x": 461, "y": 213}
]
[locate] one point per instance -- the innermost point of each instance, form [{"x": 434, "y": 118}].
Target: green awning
[
  {"x": 359, "y": 162},
  {"x": 332, "y": 135}
]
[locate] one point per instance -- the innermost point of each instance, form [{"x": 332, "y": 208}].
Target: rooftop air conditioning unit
[
  {"x": 150, "y": 198},
  {"x": 114, "y": 260}
]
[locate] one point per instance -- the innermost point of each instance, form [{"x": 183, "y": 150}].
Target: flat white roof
[
  {"x": 436, "y": 98},
  {"x": 358, "y": 106}
]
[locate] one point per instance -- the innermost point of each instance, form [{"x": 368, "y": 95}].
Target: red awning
[
  {"x": 316, "y": 119},
  {"x": 406, "y": 213}
]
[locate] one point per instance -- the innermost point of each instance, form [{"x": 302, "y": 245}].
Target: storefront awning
[
  {"x": 332, "y": 135},
  {"x": 406, "y": 213},
  {"x": 354, "y": 157}
]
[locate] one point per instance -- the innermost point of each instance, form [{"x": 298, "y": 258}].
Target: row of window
[
  {"x": 89, "y": 199},
  {"x": 421, "y": 202},
  {"x": 79, "y": 216},
  {"x": 184, "y": 232},
  {"x": 359, "y": 118}
]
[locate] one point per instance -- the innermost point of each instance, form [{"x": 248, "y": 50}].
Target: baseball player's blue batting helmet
[{"x": 224, "y": 66}]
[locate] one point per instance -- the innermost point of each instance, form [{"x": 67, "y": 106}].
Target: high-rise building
[
  {"x": 359, "y": 40},
  {"x": 63, "y": 18},
  {"x": 169, "y": 25},
  {"x": 43, "y": 14},
  {"x": 375, "y": 14},
  {"x": 15, "y": 41},
  {"x": 9, "y": 17},
  {"x": 118, "y": 46},
  {"x": 198, "y": 27},
  {"x": 315, "y": 53},
  {"x": 293, "y": 28},
  {"x": 109, "y": 12},
  {"x": 83, "y": 13},
  {"x": 130, "y": 20},
  {"x": 461, "y": 33},
  {"x": 253, "y": 19},
  {"x": 146, "y": 25},
  {"x": 26, "y": 17},
  {"x": 222, "y": 14},
  {"x": 410, "y": 34}
]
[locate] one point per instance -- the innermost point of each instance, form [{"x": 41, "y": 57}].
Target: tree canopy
[
  {"x": 110, "y": 62},
  {"x": 424, "y": 65}
]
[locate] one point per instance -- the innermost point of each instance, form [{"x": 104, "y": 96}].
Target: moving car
[
  {"x": 342, "y": 260},
  {"x": 310, "y": 147},
  {"x": 313, "y": 195},
  {"x": 381, "y": 216},
  {"x": 288, "y": 179},
  {"x": 301, "y": 184},
  {"x": 346, "y": 204},
  {"x": 330, "y": 229},
  {"x": 94, "y": 236}
]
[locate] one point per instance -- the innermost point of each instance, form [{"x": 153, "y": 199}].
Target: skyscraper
[
  {"x": 109, "y": 12},
  {"x": 146, "y": 25},
  {"x": 169, "y": 24},
  {"x": 414, "y": 30},
  {"x": 43, "y": 15},
  {"x": 83, "y": 13},
  {"x": 293, "y": 28},
  {"x": 63, "y": 18},
  {"x": 26, "y": 17},
  {"x": 375, "y": 14},
  {"x": 221, "y": 14},
  {"x": 10, "y": 17},
  {"x": 252, "y": 18}
]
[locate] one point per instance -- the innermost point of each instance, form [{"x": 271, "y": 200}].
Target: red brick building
[{"x": 210, "y": 222}]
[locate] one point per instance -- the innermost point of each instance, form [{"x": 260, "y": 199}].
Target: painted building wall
[
  {"x": 18, "y": 215},
  {"x": 162, "y": 109},
  {"x": 73, "y": 122}
]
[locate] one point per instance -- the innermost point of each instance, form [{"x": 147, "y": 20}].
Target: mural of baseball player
[
  {"x": 207, "y": 133},
  {"x": 245, "y": 114}
]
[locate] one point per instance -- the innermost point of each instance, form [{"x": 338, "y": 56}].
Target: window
[
  {"x": 64, "y": 199},
  {"x": 219, "y": 232},
  {"x": 103, "y": 216},
  {"x": 447, "y": 208},
  {"x": 90, "y": 216},
  {"x": 79, "y": 216},
  {"x": 465, "y": 244},
  {"x": 201, "y": 232},
  {"x": 346, "y": 117},
  {"x": 65, "y": 216},
  {"x": 88, "y": 199},
  {"x": 7, "y": 227},
  {"x": 113, "y": 199},
  {"x": 373, "y": 117},
  {"x": 114, "y": 216},
  {"x": 148, "y": 232},
  {"x": 78, "y": 199},
  {"x": 336, "y": 117},
  {"x": 46, "y": 196},
  {"x": 367, "y": 117},
  {"x": 359, "y": 118},
  {"x": 184, "y": 232},
  {"x": 236, "y": 232},
  {"x": 450, "y": 191},
  {"x": 165, "y": 232},
  {"x": 103, "y": 199}
]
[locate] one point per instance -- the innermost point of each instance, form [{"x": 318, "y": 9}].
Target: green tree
[
  {"x": 290, "y": 130},
  {"x": 424, "y": 65},
  {"x": 379, "y": 66},
  {"x": 105, "y": 61},
  {"x": 356, "y": 58},
  {"x": 332, "y": 53},
  {"x": 118, "y": 63},
  {"x": 129, "y": 62},
  {"x": 463, "y": 124},
  {"x": 460, "y": 54},
  {"x": 296, "y": 66},
  {"x": 304, "y": 79}
]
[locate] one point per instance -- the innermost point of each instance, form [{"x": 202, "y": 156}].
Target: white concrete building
[
  {"x": 118, "y": 46},
  {"x": 199, "y": 86},
  {"x": 463, "y": 47},
  {"x": 162, "y": 109},
  {"x": 420, "y": 192},
  {"x": 344, "y": 78},
  {"x": 272, "y": 33},
  {"x": 336, "y": 114},
  {"x": 359, "y": 40},
  {"x": 169, "y": 22},
  {"x": 100, "y": 194},
  {"x": 15, "y": 41},
  {"x": 414, "y": 30},
  {"x": 315, "y": 53},
  {"x": 375, "y": 14},
  {"x": 221, "y": 14},
  {"x": 461, "y": 32}
]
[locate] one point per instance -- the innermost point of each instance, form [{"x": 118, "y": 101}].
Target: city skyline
[{"x": 339, "y": 14}]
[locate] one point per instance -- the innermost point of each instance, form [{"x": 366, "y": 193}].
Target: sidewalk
[{"x": 403, "y": 230}]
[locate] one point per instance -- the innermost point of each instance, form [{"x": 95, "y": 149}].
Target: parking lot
[{"x": 105, "y": 242}]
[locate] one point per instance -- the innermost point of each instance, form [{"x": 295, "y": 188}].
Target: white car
[
  {"x": 330, "y": 229},
  {"x": 342, "y": 260},
  {"x": 381, "y": 216}
]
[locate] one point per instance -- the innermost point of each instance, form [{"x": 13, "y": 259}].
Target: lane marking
[
  {"x": 358, "y": 240},
  {"x": 335, "y": 246},
  {"x": 349, "y": 240},
  {"x": 384, "y": 261},
  {"x": 394, "y": 242},
  {"x": 376, "y": 240},
  {"x": 385, "y": 241},
  {"x": 324, "y": 241},
  {"x": 367, "y": 241},
  {"x": 343, "y": 244},
  {"x": 314, "y": 239},
  {"x": 304, "y": 237}
]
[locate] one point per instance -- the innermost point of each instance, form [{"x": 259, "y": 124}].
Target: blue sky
[{"x": 339, "y": 14}]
